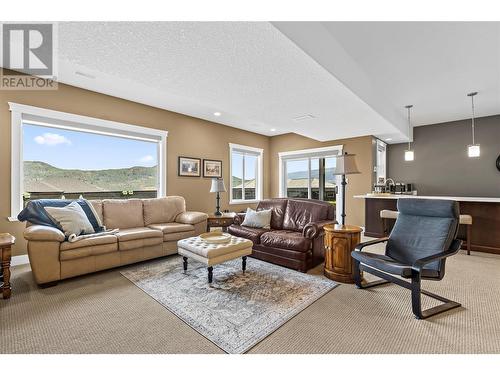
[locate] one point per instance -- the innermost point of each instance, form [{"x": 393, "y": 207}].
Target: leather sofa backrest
[
  {"x": 163, "y": 210},
  {"x": 300, "y": 212},
  {"x": 424, "y": 227},
  {"x": 278, "y": 207},
  {"x": 122, "y": 213},
  {"x": 97, "y": 205}
]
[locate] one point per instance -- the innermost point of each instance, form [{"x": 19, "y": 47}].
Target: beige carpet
[{"x": 106, "y": 313}]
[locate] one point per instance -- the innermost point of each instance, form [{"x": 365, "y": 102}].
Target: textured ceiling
[
  {"x": 352, "y": 78},
  {"x": 250, "y": 72}
]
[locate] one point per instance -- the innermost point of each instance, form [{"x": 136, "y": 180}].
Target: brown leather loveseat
[{"x": 295, "y": 239}]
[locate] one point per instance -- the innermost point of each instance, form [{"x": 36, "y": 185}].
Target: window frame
[
  {"x": 311, "y": 153},
  {"x": 259, "y": 185},
  {"x": 21, "y": 113}
]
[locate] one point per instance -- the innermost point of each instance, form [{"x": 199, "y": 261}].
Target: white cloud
[
  {"x": 51, "y": 139},
  {"x": 147, "y": 159}
]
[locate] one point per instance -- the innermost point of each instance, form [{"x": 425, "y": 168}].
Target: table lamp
[
  {"x": 218, "y": 187},
  {"x": 345, "y": 164}
]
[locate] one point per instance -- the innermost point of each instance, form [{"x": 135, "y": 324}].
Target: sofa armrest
[
  {"x": 314, "y": 229},
  {"x": 191, "y": 217},
  {"x": 238, "y": 218},
  {"x": 43, "y": 233}
]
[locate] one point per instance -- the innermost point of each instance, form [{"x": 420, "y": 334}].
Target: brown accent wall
[
  {"x": 441, "y": 165},
  {"x": 187, "y": 136},
  {"x": 357, "y": 184}
]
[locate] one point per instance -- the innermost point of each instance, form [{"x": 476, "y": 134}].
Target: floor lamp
[{"x": 345, "y": 164}]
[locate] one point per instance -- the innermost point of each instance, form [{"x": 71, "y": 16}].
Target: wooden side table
[
  {"x": 223, "y": 221},
  {"x": 340, "y": 240},
  {"x": 6, "y": 242}
]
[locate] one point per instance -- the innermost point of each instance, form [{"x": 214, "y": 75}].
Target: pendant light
[
  {"x": 473, "y": 150},
  {"x": 409, "y": 154}
]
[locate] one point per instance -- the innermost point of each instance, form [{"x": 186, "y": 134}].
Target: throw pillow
[
  {"x": 258, "y": 219},
  {"x": 72, "y": 219}
]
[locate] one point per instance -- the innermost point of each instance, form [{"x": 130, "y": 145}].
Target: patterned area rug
[{"x": 238, "y": 310}]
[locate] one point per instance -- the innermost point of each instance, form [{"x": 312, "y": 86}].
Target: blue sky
[{"x": 76, "y": 150}]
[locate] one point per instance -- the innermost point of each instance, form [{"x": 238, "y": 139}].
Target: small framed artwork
[
  {"x": 212, "y": 168},
  {"x": 189, "y": 167}
]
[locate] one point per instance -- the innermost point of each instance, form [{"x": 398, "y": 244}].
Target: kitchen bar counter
[
  {"x": 459, "y": 199},
  {"x": 485, "y": 214}
]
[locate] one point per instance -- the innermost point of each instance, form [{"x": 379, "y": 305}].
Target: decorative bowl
[{"x": 216, "y": 237}]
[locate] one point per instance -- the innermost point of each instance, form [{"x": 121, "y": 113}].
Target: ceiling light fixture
[
  {"x": 388, "y": 139},
  {"x": 217, "y": 114},
  {"x": 273, "y": 129},
  {"x": 473, "y": 150},
  {"x": 409, "y": 154}
]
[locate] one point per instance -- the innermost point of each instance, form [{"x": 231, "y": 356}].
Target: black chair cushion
[
  {"x": 424, "y": 227},
  {"x": 389, "y": 265}
]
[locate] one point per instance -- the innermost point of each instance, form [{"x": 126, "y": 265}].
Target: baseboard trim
[{"x": 19, "y": 260}]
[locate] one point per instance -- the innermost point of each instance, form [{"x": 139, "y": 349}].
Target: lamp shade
[
  {"x": 346, "y": 164},
  {"x": 217, "y": 185}
]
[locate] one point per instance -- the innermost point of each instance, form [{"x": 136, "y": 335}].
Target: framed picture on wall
[
  {"x": 212, "y": 168},
  {"x": 189, "y": 167}
]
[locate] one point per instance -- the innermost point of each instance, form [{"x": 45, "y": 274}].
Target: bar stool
[{"x": 464, "y": 220}]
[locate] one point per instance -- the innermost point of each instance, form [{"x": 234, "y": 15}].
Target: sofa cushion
[
  {"x": 97, "y": 207},
  {"x": 72, "y": 219},
  {"x": 122, "y": 213},
  {"x": 300, "y": 212},
  {"x": 258, "y": 219},
  {"x": 249, "y": 233},
  {"x": 92, "y": 241},
  {"x": 278, "y": 207},
  {"x": 88, "y": 247},
  {"x": 136, "y": 238},
  {"x": 178, "y": 236},
  {"x": 137, "y": 233},
  {"x": 168, "y": 228},
  {"x": 163, "y": 210},
  {"x": 286, "y": 239}
]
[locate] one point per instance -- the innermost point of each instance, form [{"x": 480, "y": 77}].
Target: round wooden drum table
[{"x": 340, "y": 240}]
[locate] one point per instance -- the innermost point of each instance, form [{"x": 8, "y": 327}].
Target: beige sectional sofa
[{"x": 148, "y": 228}]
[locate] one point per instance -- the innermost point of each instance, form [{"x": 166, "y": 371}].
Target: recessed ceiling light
[
  {"x": 273, "y": 129},
  {"x": 388, "y": 139},
  {"x": 217, "y": 114}
]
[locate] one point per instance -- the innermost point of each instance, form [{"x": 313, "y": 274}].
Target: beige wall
[
  {"x": 357, "y": 184},
  {"x": 187, "y": 136}
]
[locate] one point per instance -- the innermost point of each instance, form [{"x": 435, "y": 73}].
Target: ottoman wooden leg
[
  {"x": 185, "y": 263},
  {"x": 244, "y": 264},
  {"x": 210, "y": 274}
]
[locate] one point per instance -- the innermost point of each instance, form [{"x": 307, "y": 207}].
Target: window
[
  {"x": 380, "y": 168},
  {"x": 308, "y": 173},
  {"x": 246, "y": 173},
  {"x": 56, "y": 154}
]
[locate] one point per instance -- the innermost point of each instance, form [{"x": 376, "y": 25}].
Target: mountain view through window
[{"x": 60, "y": 162}]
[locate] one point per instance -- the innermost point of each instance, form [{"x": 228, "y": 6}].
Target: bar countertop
[{"x": 459, "y": 199}]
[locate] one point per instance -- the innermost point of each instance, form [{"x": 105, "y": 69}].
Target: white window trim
[
  {"x": 69, "y": 121},
  {"x": 309, "y": 153},
  {"x": 260, "y": 182}
]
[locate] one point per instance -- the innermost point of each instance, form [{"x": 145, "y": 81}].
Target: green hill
[{"x": 42, "y": 177}]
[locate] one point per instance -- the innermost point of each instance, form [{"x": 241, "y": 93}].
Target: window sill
[{"x": 244, "y": 201}]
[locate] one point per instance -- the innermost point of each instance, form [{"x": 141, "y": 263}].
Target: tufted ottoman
[{"x": 211, "y": 254}]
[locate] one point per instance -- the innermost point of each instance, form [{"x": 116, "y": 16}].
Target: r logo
[{"x": 28, "y": 48}]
